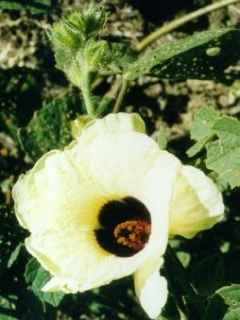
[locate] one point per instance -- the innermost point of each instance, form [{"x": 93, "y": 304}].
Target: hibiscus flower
[{"x": 105, "y": 206}]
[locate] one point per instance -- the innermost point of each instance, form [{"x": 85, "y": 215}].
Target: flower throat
[{"x": 125, "y": 227}]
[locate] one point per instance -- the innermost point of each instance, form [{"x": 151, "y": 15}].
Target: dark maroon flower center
[{"x": 125, "y": 227}]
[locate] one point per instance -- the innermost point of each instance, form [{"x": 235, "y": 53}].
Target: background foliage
[{"x": 187, "y": 89}]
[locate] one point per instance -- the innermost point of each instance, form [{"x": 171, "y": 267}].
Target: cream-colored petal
[
  {"x": 196, "y": 205},
  {"x": 116, "y": 123},
  {"x": 77, "y": 261},
  {"x": 54, "y": 193},
  {"x": 60, "y": 183},
  {"x": 57, "y": 183},
  {"x": 156, "y": 194},
  {"x": 151, "y": 287},
  {"x": 117, "y": 161}
]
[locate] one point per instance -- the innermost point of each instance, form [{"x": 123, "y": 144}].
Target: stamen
[
  {"x": 133, "y": 234},
  {"x": 125, "y": 226}
]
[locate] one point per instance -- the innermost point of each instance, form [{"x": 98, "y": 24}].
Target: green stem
[
  {"x": 181, "y": 21},
  {"x": 86, "y": 92},
  {"x": 108, "y": 98},
  {"x": 121, "y": 95}
]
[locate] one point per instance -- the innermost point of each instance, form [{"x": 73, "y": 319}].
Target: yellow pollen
[{"x": 133, "y": 233}]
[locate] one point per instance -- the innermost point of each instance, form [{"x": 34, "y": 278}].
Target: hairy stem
[
  {"x": 181, "y": 21},
  {"x": 86, "y": 93},
  {"x": 121, "y": 95},
  {"x": 108, "y": 98}
]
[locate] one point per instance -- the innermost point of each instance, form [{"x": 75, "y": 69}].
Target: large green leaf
[
  {"x": 204, "y": 55},
  {"x": 233, "y": 314},
  {"x": 202, "y": 129},
  {"x": 48, "y": 129},
  {"x": 223, "y": 155},
  {"x": 205, "y": 278},
  {"x": 224, "y": 304},
  {"x": 34, "y": 6},
  {"x": 118, "y": 56},
  {"x": 37, "y": 277},
  {"x": 20, "y": 91},
  {"x": 220, "y": 135}
]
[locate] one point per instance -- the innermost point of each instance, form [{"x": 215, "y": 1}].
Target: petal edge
[
  {"x": 197, "y": 204},
  {"x": 151, "y": 287}
]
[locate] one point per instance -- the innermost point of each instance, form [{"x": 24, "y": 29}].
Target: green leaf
[
  {"x": 48, "y": 129},
  {"x": 230, "y": 295},
  {"x": 37, "y": 277},
  {"x": 7, "y": 317},
  {"x": 34, "y": 6},
  {"x": 94, "y": 52},
  {"x": 20, "y": 90},
  {"x": 203, "y": 123},
  {"x": 204, "y": 55},
  {"x": 118, "y": 57},
  {"x": 161, "y": 137},
  {"x": 223, "y": 155},
  {"x": 232, "y": 314},
  {"x": 205, "y": 278},
  {"x": 14, "y": 255},
  {"x": 31, "y": 270},
  {"x": 224, "y": 304},
  {"x": 223, "y": 151},
  {"x": 202, "y": 129},
  {"x": 7, "y": 309},
  {"x": 10, "y": 237}
]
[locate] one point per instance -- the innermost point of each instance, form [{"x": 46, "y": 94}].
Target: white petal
[
  {"x": 116, "y": 122},
  {"x": 157, "y": 195},
  {"x": 117, "y": 161},
  {"x": 196, "y": 205},
  {"x": 151, "y": 288},
  {"x": 54, "y": 193},
  {"x": 59, "y": 183},
  {"x": 78, "y": 263}
]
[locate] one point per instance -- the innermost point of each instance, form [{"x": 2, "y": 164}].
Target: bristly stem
[
  {"x": 108, "y": 98},
  {"x": 181, "y": 21},
  {"x": 121, "y": 95},
  {"x": 85, "y": 85}
]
